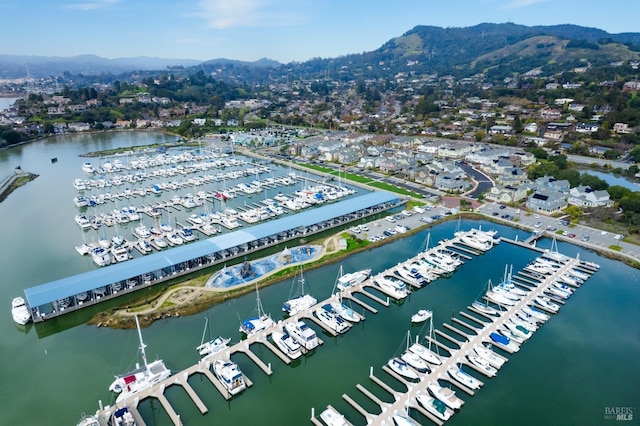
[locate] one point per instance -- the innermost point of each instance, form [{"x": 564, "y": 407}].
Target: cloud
[
  {"x": 517, "y": 4},
  {"x": 93, "y": 4},
  {"x": 223, "y": 14}
]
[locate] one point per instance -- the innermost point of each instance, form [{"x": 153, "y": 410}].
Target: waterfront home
[
  {"x": 584, "y": 196},
  {"x": 552, "y": 184},
  {"x": 546, "y": 201},
  {"x": 506, "y": 194}
]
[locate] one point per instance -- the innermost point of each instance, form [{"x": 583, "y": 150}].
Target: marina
[
  {"x": 79, "y": 361},
  {"x": 419, "y": 377}
]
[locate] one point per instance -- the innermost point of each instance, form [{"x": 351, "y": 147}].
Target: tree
[
  {"x": 617, "y": 192},
  {"x": 574, "y": 213},
  {"x": 518, "y": 127},
  {"x": 539, "y": 153},
  {"x": 593, "y": 182}
]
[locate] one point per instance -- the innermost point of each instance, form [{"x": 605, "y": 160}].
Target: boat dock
[{"x": 478, "y": 333}]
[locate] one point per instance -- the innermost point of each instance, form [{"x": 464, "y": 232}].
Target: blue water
[{"x": 612, "y": 179}]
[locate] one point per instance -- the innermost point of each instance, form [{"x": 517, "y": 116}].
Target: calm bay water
[{"x": 582, "y": 361}]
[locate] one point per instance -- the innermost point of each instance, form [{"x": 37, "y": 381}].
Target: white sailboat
[
  {"x": 426, "y": 353},
  {"x": 129, "y": 384},
  {"x": 261, "y": 321},
  {"x": 212, "y": 346},
  {"x": 301, "y": 301}
]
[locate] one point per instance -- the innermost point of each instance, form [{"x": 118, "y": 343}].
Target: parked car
[{"x": 503, "y": 207}]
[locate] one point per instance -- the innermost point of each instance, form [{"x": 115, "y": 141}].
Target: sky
[{"x": 282, "y": 30}]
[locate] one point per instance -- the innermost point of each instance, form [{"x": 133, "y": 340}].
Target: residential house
[
  {"x": 587, "y": 127},
  {"x": 78, "y": 127},
  {"x": 549, "y": 183},
  {"x": 598, "y": 150},
  {"x": 622, "y": 128},
  {"x": 512, "y": 176},
  {"x": 584, "y": 196},
  {"x": 546, "y": 201},
  {"x": 452, "y": 182},
  {"x": 506, "y": 194}
]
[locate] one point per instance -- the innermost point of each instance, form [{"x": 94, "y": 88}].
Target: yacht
[
  {"x": 445, "y": 395},
  {"x": 120, "y": 254},
  {"x": 100, "y": 256},
  {"x": 434, "y": 406},
  {"x": 331, "y": 319},
  {"x": 352, "y": 279},
  {"x": 287, "y": 344},
  {"x": 229, "y": 375},
  {"x": 421, "y": 316},
  {"x": 87, "y": 167},
  {"x": 475, "y": 243},
  {"x": 20, "y": 311},
  {"x": 394, "y": 287},
  {"x": 331, "y": 417},
  {"x": 302, "y": 334},
  {"x": 83, "y": 221},
  {"x": 425, "y": 354},
  {"x": 129, "y": 384},
  {"x": 402, "y": 368},
  {"x": 463, "y": 378}
]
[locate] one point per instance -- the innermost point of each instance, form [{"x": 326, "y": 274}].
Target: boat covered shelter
[{"x": 68, "y": 294}]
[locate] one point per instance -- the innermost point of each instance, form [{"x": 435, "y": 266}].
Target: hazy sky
[{"x": 284, "y": 30}]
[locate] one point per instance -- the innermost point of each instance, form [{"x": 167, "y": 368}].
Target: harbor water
[{"x": 580, "y": 364}]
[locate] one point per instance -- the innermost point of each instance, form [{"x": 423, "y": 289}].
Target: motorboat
[
  {"x": 331, "y": 417},
  {"x": 300, "y": 302},
  {"x": 434, "y": 406},
  {"x": 20, "y": 311},
  {"x": 552, "y": 290},
  {"x": 463, "y": 378},
  {"x": 351, "y": 279},
  {"x": 486, "y": 353},
  {"x": 483, "y": 365},
  {"x": 142, "y": 377},
  {"x": 82, "y": 221},
  {"x": 287, "y": 344},
  {"x": 122, "y": 417},
  {"x": 302, "y": 334},
  {"x": 403, "y": 420},
  {"x": 331, "y": 319},
  {"x": 402, "y": 368},
  {"x": 229, "y": 374},
  {"x": 421, "y": 316},
  {"x": 392, "y": 286},
  {"x": 446, "y": 395},
  {"x": 120, "y": 254},
  {"x": 211, "y": 346},
  {"x": 518, "y": 330},
  {"x": 87, "y": 167},
  {"x": 100, "y": 256}
]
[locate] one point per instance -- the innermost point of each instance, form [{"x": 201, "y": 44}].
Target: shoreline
[{"x": 191, "y": 297}]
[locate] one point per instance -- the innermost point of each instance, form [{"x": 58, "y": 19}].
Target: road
[{"x": 484, "y": 182}]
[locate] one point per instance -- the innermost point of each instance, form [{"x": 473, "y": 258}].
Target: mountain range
[{"x": 422, "y": 49}]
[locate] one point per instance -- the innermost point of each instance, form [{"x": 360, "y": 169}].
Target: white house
[{"x": 584, "y": 196}]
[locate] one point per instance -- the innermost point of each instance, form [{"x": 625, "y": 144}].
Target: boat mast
[
  {"x": 142, "y": 345},
  {"x": 206, "y": 323}
]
